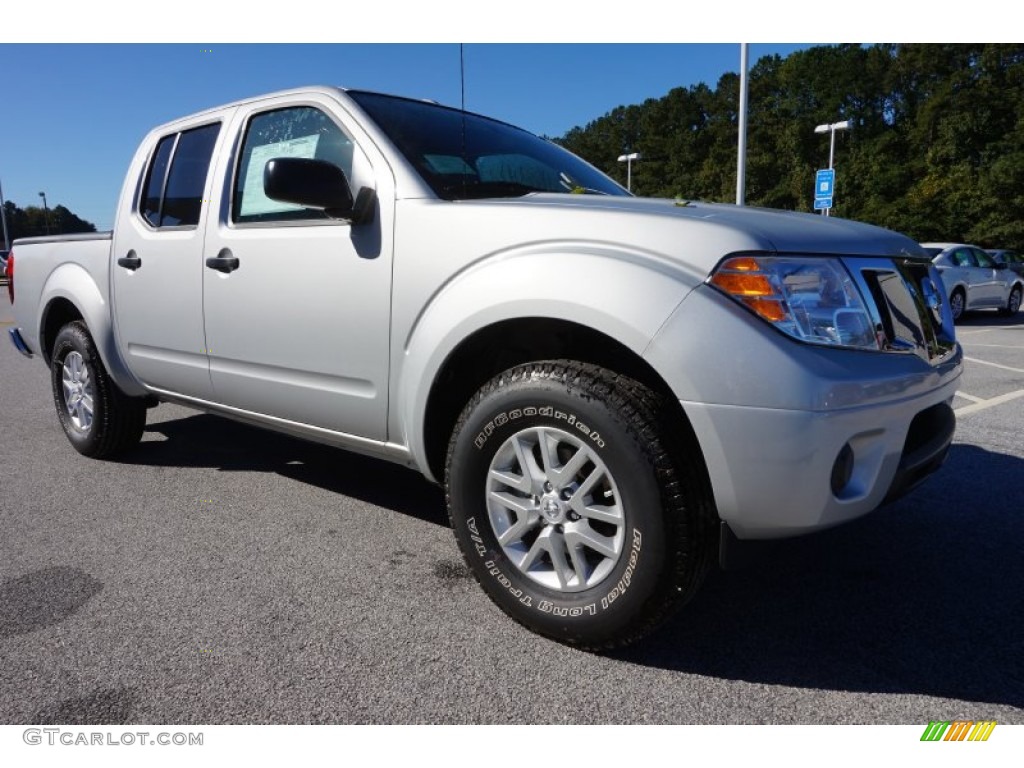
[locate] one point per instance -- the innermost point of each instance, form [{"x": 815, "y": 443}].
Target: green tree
[
  {"x": 34, "y": 221},
  {"x": 936, "y": 148}
]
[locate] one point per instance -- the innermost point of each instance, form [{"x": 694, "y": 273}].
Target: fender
[
  {"x": 593, "y": 285},
  {"x": 73, "y": 282}
]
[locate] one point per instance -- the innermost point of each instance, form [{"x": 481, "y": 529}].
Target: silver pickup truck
[{"x": 615, "y": 392}]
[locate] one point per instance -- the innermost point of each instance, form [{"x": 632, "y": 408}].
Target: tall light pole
[
  {"x": 741, "y": 149},
  {"x": 3, "y": 218},
  {"x": 46, "y": 213},
  {"x": 831, "y": 128},
  {"x": 628, "y": 160}
]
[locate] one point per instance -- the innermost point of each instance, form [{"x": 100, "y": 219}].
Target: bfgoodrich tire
[
  {"x": 578, "y": 513},
  {"x": 97, "y": 417}
]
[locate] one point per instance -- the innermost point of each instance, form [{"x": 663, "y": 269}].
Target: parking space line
[
  {"x": 994, "y": 365},
  {"x": 972, "y": 398},
  {"x": 984, "y": 404},
  {"x": 1001, "y": 346},
  {"x": 960, "y": 333}
]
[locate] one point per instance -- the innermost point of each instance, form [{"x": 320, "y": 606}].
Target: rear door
[
  {"x": 297, "y": 305},
  {"x": 964, "y": 269},
  {"x": 157, "y": 272},
  {"x": 995, "y": 283}
]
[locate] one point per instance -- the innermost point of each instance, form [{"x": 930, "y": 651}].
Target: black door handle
[
  {"x": 131, "y": 261},
  {"x": 223, "y": 263}
]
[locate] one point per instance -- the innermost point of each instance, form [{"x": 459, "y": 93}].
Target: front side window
[
  {"x": 963, "y": 257},
  {"x": 173, "y": 191},
  {"x": 304, "y": 132}
]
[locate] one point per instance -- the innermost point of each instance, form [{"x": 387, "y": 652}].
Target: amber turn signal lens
[
  {"x": 770, "y": 309},
  {"x": 743, "y": 285},
  {"x": 742, "y": 264}
]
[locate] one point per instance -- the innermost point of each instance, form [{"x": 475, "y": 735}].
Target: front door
[{"x": 297, "y": 304}]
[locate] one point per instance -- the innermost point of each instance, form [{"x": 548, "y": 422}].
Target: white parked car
[{"x": 974, "y": 280}]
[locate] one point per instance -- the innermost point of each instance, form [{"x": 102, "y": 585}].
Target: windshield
[{"x": 463, "y": 156}]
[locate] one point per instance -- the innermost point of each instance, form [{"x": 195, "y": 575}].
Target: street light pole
[
  {"x": 628, "y": 160},
  {"x": 831, "y": 128},
  {"x": 741, "y": 149},
  {"x": 3, "y": 218},
  {"x": 46, "y": 213}
]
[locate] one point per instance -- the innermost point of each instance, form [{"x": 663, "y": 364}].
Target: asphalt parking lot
[{"x": 220, "y": 574}]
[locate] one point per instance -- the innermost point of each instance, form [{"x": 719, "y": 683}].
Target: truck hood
[{"x": 766, "y": 229}]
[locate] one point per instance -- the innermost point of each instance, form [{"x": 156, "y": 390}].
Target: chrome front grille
[{"x": 908, "y": 306}]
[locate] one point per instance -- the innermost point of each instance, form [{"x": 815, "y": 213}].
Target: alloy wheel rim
[
  {"x": 76, "y": 383},
  {"x": 555, "y": 509},
  {"x": 957, "y": 304}
]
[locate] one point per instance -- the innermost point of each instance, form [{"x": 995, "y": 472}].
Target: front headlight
[{"x": 810, "y": 299}]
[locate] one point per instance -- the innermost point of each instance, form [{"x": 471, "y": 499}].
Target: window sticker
[{"x": 254, "y": 200}]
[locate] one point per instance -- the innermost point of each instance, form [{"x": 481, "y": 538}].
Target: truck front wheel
[
  {"x": 575, "y": 510},
  {"x": 97, "y": 417}
]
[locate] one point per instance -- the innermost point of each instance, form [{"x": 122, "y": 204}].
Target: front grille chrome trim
[{"x": 905, "y": 300}]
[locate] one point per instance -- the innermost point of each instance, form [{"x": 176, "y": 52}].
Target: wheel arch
[
  {"x": 70, "y": 294},
  {"x": 502, "y": 345},
  {"x": 57, "y": 313}
]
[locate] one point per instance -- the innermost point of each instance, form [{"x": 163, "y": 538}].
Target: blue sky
[
  {"x": 86, "y": 80},
  {"x": 73, "y": 114}
]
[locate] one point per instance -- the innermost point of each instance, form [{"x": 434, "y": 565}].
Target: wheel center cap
[{"x": 552, "y": 508}]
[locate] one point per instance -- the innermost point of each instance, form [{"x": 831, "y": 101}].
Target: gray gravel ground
[{"x": 221, "y": 574}]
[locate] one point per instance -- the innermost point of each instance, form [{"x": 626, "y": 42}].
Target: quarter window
[
  {"x": 176, "y": 178},
  {"x": 155, "y": 179},
  {"x": 304, "y": 132}
]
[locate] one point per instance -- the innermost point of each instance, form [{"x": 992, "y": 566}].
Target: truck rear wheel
[
  {"x": 576, "y": 512},
  {"x": 97, "y": 417}
]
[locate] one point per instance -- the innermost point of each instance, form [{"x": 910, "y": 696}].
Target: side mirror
[{"x": 309, "y": 183}]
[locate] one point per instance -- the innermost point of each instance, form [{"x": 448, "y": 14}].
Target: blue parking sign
[{"x": 824, "y": 184}]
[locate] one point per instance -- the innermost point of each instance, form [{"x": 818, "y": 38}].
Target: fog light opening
[{"x": 842, "y": 470}]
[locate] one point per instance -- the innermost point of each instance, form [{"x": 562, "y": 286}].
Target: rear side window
[
  {"x": 176, "y": 177},
  {"x": 155, "y": 178}
]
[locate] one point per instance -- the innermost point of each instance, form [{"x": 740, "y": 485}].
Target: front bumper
[{"x": 773, "y": 471}]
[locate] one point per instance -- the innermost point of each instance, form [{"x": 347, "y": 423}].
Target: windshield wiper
[{"x": 575, "y": 188}]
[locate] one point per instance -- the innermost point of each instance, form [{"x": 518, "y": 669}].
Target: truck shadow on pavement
[
  {"x": 210, "y": 441},
  {"x": 925, "y": 597}
]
